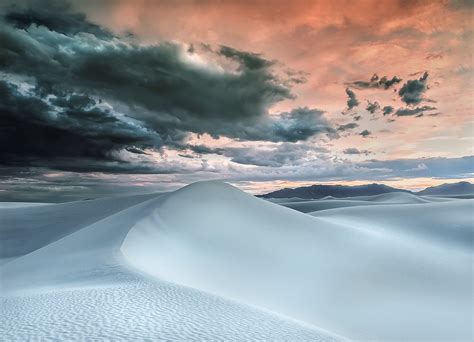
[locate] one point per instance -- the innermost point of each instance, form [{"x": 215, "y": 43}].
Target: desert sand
[{"x": 210, "y": 262}]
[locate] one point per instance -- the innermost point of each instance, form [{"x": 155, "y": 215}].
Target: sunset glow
[{"x": 263, "y": 93}]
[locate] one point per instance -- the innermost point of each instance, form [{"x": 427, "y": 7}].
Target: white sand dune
[
  {"x": 401, "y": 198},
  {"x": 316, "y": 205},
  {"x": 79, "y": 287},
  {"x": 27, "y": 228},
  {"x": 140, "y": 310},
  {"x": 307, "y": 206},
  {"x": 447, "y": 224},
  {"x": 20, "y": 204},
  {"x": 211, "y": 262}
]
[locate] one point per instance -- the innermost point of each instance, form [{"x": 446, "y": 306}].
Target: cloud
[
  {"x": 86, "y": 94},
  {"x": 251, "y": 61},
  {"x": 285, "y": 154},
  {"x": 35, "y": 131},
  {"x": 386, "y": 110},
  {"x": 275, "y": 155},
  {"x": 419, "y": 167},
  {"x": 352, "y": 101},
  {"x": 347, "y": 126},
  {"x": 412, "y": 92},
  {"x": 65, "y": 21},
  {"x": 413, "y": 111},
  {"x": 426, "y": 167},
  {"x": 355, "y": 151},
  {"x": 434, "y": 56},
  {"x": 376, "y": 82},
  {"x": 365, "y": 133},
  {"x": 299, "y": 124},
  {"x": 203, "y": 149},
  {"x": 42, "y": 185},
  {"x": 372, "y": 107},
  {"x": 159, "y": 82}
]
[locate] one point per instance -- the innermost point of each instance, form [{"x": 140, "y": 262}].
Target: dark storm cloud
[
  {"x": 372, "y": 107},
  {"x": 376, "y": 82},
  {"x": 412, "y": 92},
  {"x": 352, "y": 100},
  {"x": 365, "y": 133},
  {"x": 413, "y": 111},
  {"x": 113, "y": 166},
  {"x": 297, "y": 125},
  {"x": 348, "y": 126},
  {"x": 203, "y": 149},
  {"x": 74, "y": 91},
  {"x": 74, "y": 126},
  {"x": 135, "y": 150},
  {"x": 387, "y": 110},
  {"x": 355, "y": 151},
  {"x": 247, "y": 60},
  {"x": 157, "y": 78},
  {"x": 65, "y": 20}
]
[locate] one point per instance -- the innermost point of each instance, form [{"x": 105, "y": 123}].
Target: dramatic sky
[{"x": 111, "y": 97}]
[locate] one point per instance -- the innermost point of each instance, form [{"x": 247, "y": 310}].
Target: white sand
[
  {"x": 211, "y": 262},
  {"x": 79, "y": 287}
]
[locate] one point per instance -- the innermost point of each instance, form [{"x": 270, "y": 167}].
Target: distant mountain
[
  {"x": 461, "y": 188},
  {"x": 320, "y": 191}
]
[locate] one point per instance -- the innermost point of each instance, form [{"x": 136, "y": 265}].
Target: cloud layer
[
  {"x": 85, "y": 93},
  {"x": 157, "y": 96}
]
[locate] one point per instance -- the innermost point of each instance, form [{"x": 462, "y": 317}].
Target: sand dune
[
  {"x": 400, "y": 198},
  {"x": 216, "y": 238},
  {"x": 447, "y": 224},
  {"x": 7, "y": 205},
  {"x": 316, "y": 205},
  {"x": 211, "y": 262},
  {"x": 307, "y": 206},
  {"x": 80, "y": 287},
  {"x": 26, "y": 228}
]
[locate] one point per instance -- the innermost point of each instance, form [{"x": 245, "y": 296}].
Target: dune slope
[
  {"x": 307, "y": 206},
  {"x": 449, "y": 224},
  {"x": 358, "y": 283},
  {"x": 211, "y": 262},
  {"x": 24, "y": 229},
  {"x": 79, "y": 287}
]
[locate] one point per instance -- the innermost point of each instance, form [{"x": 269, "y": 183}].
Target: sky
[{"x": 101, "y": 98}]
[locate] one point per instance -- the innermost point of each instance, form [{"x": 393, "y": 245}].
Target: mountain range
[{"x": 320, "y": 191}]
